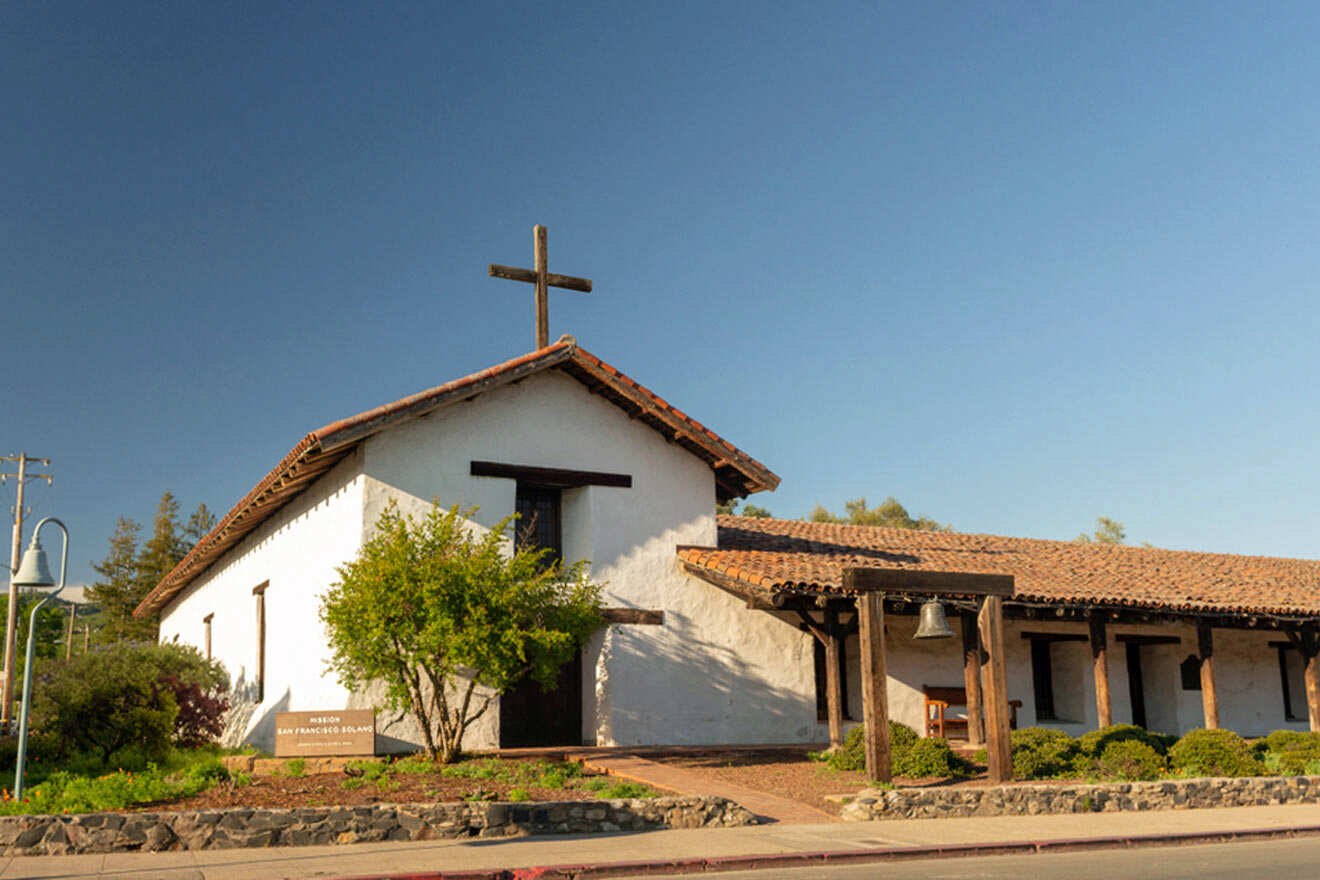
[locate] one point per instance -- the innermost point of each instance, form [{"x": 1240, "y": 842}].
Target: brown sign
[{"x": 332, "y": 732}]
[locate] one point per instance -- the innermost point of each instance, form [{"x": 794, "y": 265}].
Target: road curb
[{"x": 721, "y": 864}]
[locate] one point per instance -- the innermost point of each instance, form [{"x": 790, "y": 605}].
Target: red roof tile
[{"x": 808, "y": 557}]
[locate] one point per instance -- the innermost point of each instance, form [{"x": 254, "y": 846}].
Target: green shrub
[
  {"x": 1290, "y": 741},
  {"x": 1214, "y": 753},
  {"x": 624, "y": 790},
  {"x": 519, "y": 794},
  {"x": 1043, "y": 753},
  {"x": 928, "y": 757},
  {"x": 1093, "y": 744},
  {"x": 63, "y": 792},
  {"x": 117, "y": 704},
  {"x": 295, "y": 766},
  {"x": 852, "y": 756},
  {"x": 1289, "y": 752},
  {"x": 208, "y": 771},
  {"x": 1129, "y": 759}
]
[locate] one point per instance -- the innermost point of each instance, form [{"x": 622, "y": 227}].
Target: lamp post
[{"x": 34, "y": 572}]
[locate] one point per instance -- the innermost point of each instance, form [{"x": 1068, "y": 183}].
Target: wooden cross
[{"x": 543, "y": 280}]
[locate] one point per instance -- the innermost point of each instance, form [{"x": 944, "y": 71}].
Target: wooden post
[
  {"x": 260, "y": 592},
  {"x": 1206, "y": 650},
  {"x": 68, "y": 645},
  {"x": 971, "y": 643},
  {"x": 1104, "y": 712},
  {"x": 994, "y": 681},
  {"x": 87, "y": 637},
  {"x": 875, "y": 686},
  {"x": 1312, "y": 678},
  {"x": 833, "y": 683},
  {"x": 541, "y": 255}
]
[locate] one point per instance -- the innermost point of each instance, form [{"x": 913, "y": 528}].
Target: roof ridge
[{"x": 1092, "y": 545}]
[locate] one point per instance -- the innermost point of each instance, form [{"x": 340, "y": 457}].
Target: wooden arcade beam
[{"x": 926, "y": 583}]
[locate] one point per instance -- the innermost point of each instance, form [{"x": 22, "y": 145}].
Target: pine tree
[
  {"x": 129, "y": 572},
  {"x": 119, "y": 588}
]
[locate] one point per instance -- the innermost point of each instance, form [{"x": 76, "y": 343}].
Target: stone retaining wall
[
  {"x": 305, "y": 826},
  {"x": 1025, "y": 799}
]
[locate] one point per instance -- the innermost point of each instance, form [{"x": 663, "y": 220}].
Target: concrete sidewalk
[{"x": 377, "y": 859}]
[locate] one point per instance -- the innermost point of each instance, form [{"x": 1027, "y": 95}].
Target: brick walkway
[{"x": 768, "y": 806}]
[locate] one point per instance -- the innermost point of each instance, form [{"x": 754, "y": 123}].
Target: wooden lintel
[
  {"x": 634, "y": 616},
  {"x": 553, "y": 478},
  {"x": 926, "y": 583},
  {"x": 1139, "y": 639},
  {"x": 1055, "y": 637}
]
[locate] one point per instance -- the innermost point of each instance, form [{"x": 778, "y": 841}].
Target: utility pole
[
  {"x": 15, "y": 553},
  {"x": 73, "y": 614}
]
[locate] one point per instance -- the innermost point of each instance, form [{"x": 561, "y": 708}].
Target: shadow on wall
[
  {"x": 672, "y": 688},
  {"x": 244, "y": 704}
]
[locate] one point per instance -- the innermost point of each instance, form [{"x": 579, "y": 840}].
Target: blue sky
[{"x": 1016, "y": 265}]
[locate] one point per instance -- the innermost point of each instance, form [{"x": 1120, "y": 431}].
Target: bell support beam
[
  {"x": 1307, "y": 644},
  {"x": 971, "y": 645},
  {"x": 1104, "y": 712},
  {"x": 994, "y": 679},
  {"x": 1205, "y": 649},
  {"x": 875, "y": 687}
]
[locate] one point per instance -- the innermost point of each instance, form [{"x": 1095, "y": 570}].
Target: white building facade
[{"x": 633, "y": 484}]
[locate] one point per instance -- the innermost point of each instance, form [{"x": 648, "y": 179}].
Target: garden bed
[{"x": 414, "y": 781}]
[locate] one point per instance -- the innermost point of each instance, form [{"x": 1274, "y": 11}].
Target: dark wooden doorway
[
  {"x": 531, "y": 717},
  {"x": 1136, "y": 689}
]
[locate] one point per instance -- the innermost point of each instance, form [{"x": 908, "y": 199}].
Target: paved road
[{"x": 1226, "y": 861}]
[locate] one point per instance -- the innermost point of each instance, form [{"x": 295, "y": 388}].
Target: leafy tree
[
  {"x": 748, "y": 509},
  {"x": 890, "y": 514},
  {"x": 433, "y": 610},
  {"x": 129, "y": 571},
  {"x": 1107, "y": 531}
]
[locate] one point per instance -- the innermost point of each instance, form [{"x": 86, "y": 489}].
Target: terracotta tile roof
[
  {"x": 736, "y": 473},
  {"x": 773, "y": 555}
]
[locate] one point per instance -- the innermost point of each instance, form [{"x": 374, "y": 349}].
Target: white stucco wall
[
  {"x": 714, "y": 672},
  {"x": 296, "y": 550}
]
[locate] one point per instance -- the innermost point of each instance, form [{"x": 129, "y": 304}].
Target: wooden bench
[{"x": 937, "y": 703}]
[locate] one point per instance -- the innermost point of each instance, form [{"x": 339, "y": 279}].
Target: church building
[{"x": 723, "y": 629}]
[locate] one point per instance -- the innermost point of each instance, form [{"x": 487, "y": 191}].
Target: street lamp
[{"x": 34, "y": 572}]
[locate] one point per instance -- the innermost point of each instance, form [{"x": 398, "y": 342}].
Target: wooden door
[
  {"x": 530, "y": 716},
  {"x": 1135, "y": 687}
]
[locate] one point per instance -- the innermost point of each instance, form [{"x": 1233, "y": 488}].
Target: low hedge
[
  {"x": 1129, "y": 760},
  {"x": 910, "y": 755},
  {"x": 1043, "y": 753},
  {"x": 1214, "y": 753}
]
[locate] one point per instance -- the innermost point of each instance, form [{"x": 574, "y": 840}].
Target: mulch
[{"x": 327, "y": 789}]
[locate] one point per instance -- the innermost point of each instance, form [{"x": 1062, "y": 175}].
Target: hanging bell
[{"x": 933, "y": 624}]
